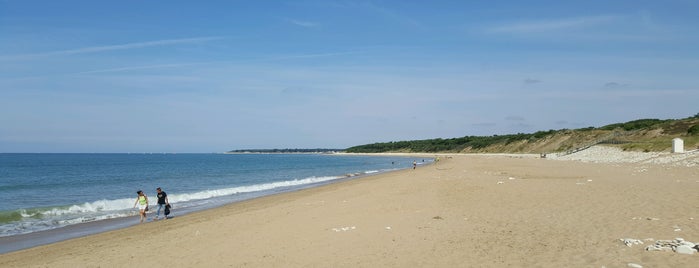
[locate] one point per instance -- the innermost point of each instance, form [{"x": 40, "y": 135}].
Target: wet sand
[{"x": 463, "y": 211}]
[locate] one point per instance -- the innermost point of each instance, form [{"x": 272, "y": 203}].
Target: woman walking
[{"x": 142, "y": 202}]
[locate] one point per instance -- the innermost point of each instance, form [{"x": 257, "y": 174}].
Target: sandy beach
[{"x": 462, "y": 211}]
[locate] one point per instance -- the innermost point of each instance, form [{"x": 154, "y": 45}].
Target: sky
[{"x": 212, "y": 76}]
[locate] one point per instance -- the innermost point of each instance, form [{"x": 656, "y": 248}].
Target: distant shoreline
[{"x": 284, "y": 151}]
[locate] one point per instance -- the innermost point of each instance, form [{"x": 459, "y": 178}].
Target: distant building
[{"x": 677, "y": 145}]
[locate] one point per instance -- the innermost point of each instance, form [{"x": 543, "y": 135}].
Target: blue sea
[{"x": 43, "y": 192}]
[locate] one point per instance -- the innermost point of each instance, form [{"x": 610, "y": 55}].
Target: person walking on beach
[
  {"x": 414, "y": 164},
  {"x": 162, "y": 202},
  {"x": 142, "y": 202}
]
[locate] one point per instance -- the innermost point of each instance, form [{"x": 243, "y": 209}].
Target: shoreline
[
  {"x": 9, "y": 244},
  {"x": 463, "y": 211}
]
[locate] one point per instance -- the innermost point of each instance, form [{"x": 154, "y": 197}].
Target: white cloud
[
  {"x": 551, "y": 25},
  {"x": 95, "y": 49},
  {"x": 386, "y": 13},
  {"x": 144, "y": 67},
  {"x": 307, "y": 56},
  {"x": 395, "y": 16},
  {"x": 178, "y": 65},
  {"x": 306, "y": 24}
]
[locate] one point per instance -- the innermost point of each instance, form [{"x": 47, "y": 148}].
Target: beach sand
[{"x": 463, "y": 211}]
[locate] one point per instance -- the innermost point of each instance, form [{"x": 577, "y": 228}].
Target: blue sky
[{"x": 211, "y": 76}]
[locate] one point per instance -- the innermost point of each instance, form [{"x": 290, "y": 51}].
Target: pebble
[
  {"x": 684, "y": 249},
  {"x": 630, "y": 241},
  {"x": 678, "y": 245},
  {"x": 344, "y": 229},
  {"x": 658, "y": 248}
]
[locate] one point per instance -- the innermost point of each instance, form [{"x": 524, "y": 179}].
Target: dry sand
[{"x": 464, "y": 211}]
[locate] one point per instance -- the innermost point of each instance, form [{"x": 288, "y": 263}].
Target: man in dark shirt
[{"x": 162, "y": 202}]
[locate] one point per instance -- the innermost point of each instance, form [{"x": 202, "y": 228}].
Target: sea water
[{"x": 40, "y": 192}]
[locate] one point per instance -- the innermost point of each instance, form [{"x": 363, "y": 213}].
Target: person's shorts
[{"x": 142, "y": 207}]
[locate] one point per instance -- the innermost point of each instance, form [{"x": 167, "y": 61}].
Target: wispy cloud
[
  {"x": 145, "y": 67},
  {"x": 395, "y": 16},
  {"x": 306, "y": 24},
  {"x": 177, "y": 65},
  {"x": 95, "y": 49},
  {"x": 541, "y": 26},
  {"x": 307, "y": 56},
  {"x": 386, "y": 13}
]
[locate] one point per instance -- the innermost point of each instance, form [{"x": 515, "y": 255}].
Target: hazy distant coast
[{"x": 284, "y": 151}]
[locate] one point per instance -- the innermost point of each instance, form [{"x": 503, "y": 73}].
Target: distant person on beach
[
  {"x": 142, "y": 202},
  {"x": 162, "y": 202},
  {"x": 414, "y": 164}
]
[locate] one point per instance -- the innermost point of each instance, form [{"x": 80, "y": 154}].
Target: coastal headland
[{"x": 466, "y": 210}]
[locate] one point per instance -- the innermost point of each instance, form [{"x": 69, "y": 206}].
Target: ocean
[{"x": 41, "y": 193}]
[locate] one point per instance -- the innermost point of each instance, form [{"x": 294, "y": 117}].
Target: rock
[
  {"x": 344, "y": 229},
  {"x": 654, "y": 248},
  {"x": 630, "y": 242},
  {"x": 687, "y": 243},
  {"x": 684, "y": 249}
]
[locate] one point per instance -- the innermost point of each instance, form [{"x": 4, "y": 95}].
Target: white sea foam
[
  {"x": 122, "y": 204},
  {"x": 247, "y": 189},
  {"x": 50, "y": 218}
]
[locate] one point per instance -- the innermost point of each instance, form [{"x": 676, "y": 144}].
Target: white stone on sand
[{"x": 684, "y": 249}]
